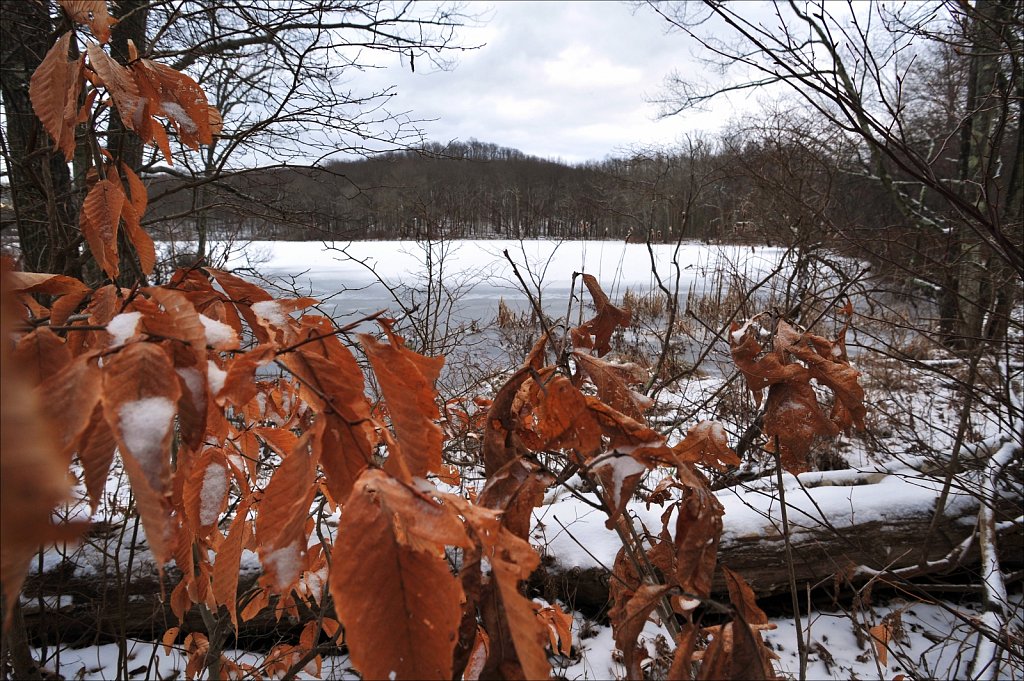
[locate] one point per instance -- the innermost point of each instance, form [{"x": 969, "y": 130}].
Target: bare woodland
[{"x": 393, "y": 513}]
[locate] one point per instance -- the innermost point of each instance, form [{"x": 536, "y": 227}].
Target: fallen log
[{"x": 845, "y": 525}]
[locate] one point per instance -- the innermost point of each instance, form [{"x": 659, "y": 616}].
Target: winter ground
[{"x": 936, "y": 639}]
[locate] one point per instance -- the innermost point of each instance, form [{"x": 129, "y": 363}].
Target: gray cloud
[{"x": 569, "y": 80}]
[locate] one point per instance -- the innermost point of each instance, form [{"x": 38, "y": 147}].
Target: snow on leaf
[
  {"x": 215, "y": 377},
  {"x": 176, "y": 96},
  {"x": 144, "y": 425},
  {"x": 140, "y": 393},
  {"x": 619, "y": 475},
  {"x": 123, "y": 326},
  {"x": 285, "y": 564},
  {"x": 213, "y": 493},
  {"x": 219, "y": 335}
]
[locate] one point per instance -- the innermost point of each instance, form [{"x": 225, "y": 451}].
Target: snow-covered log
[{"x": 850, "y": 525}]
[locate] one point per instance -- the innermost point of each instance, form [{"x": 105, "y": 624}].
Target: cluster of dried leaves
[
  {"x": 794, "y": 418},
  {"x": 223, "y": 457}
]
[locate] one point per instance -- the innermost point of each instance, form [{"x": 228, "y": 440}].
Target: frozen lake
[{"x": 478, "y": 274}]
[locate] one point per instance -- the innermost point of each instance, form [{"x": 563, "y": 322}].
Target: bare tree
[
  {"x": 278, "y": 73},
  {"x": 850, "y": 64}
]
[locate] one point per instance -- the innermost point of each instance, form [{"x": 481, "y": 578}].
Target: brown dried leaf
[
  {"x": 54, "y": 88},
  {"x": 96, "y": 454},
  {"x": 400, "y": 606},
  {"x": 68, "y": 399},
  {"x": 707, "y": 443},
  {"x": 881, "y": 633},
  {"x": 283, "y": 511},
  {"x": 597, "y": 332},
  {"x": 628, "y": 618},
  {"x": 501, "y": 444},
  {"x": 136, "y": 190},
  {"x": 33, "y": 473},
  {"x": 145, "y": 249},
  {"x": 612, "y": 382},
  {"x": 515, "y": 490},
  {"x": 40, "y": 354},
  {"x": 122, "y": 88},
  {"x": 225, "y": 566},
  {"x": 91, "y": 12},
  {"x": 559, "y": 624},
  {"x": 793, "y": 416},
  {"x": 101, "y": 214},
  {"x": 742, "y": 598},
  {"x": 407, "y": 381},
  {"x": 698, "y": 531},
  {"x": 38, "y": 282},
  {"x": 552, "y": 414}
]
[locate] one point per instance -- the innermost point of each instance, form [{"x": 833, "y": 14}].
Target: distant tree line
[{"x": 733, "y": 188}]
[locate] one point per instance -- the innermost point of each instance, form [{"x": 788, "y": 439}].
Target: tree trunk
[{"x": 40, "y": 182}]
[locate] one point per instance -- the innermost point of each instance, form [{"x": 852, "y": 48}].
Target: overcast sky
[{"x": 568, "y": 80}]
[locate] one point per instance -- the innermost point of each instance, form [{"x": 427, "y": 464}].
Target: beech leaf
[
  {"x": 400, "y": 606},
  {"x": 101, "y": 214}
]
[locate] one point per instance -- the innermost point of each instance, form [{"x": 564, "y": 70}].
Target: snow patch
[
  {"x": 270, "y": 311},
  {"x": 144, "y": 425},
  {"x": 218, "y": 334},
  {"x": 286, "y": 563},
  {"x": 184, "y": 121},
  {"x": 211, "y": 494},
  {"x": 215, "y": 377},
  {"x": 122, "y": 327}
]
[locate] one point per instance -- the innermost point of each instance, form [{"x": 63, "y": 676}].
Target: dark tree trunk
[
  {"x": 124, "y": 144},
  {"x": 40, "y": 181}
]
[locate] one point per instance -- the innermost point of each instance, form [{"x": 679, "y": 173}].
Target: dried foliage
[
  {"x": 221, "y": 458},
  {"x": 794, "y": 418}
]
